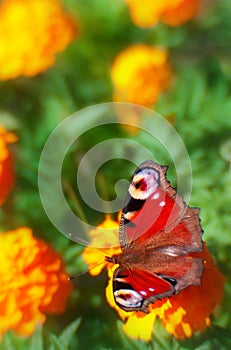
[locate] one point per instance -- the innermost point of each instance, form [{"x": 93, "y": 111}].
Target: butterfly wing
[
  {"x": 156, "y": 215},
  {"x": 136, "y": 289}
]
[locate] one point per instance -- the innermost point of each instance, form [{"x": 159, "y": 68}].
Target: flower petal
[{"x": 139, "y": 326}]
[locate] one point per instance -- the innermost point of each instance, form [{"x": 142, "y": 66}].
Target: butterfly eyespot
[
  {"x": 128, "y": 298},
  {"x": 141, "y": 185}
]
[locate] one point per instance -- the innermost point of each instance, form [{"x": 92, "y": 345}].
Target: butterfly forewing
[{"x": 162, "y": 211}]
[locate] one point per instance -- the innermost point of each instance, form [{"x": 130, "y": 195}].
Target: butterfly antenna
[
  {"x": 76, "y": 275},
  {"x": 86, "y": 243}
]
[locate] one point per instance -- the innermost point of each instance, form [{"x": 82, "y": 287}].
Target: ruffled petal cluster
[
  {"x": 182, "y": 314},
  {"x": 33, "y": 281},
  {"x": 31, "y": 33},
  {"x": 6, "y": 164},
  {"x": 148, "y": 13},
  {"x": 140, "y": 74}
]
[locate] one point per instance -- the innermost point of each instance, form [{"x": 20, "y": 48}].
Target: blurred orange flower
[
  {"x": 182, "y": 314},
  {"x": 31, "y": 33},
  {"x": 139, "y": 74},
  {"x": 148, "y": 13},
  {"x": 33, "y": 281},
  {"x": 6, "y": 164}
]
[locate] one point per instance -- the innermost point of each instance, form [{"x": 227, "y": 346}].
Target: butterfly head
[
  {"x": 112, "y": 259},
  {"x": 144, "y": 183}
]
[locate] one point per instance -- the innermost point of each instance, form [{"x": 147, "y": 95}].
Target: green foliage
[
  {"x": 41, "y": 341},
  {"x": 199, "y": 102},
  {"x": 63, "y": 341}
]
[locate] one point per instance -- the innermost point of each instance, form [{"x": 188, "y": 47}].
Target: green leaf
[
  {"x": 56, "y": 344},
  {"x": 162, "y": 340},
  {"x": 62, "y": 342},
  {"x": 68, "y": 333},
  {"x": 6, "y": 343},
  {"x": 13, "y": 341},
  {"x": 36, "y": 342}
]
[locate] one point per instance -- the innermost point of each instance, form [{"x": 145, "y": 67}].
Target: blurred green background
[{"x": 199, "y": 103}]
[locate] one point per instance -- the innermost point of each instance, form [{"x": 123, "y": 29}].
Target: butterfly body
[{"x": 158, "y": 234}]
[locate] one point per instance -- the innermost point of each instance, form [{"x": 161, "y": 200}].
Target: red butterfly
[{"x": 157, "y": 233}]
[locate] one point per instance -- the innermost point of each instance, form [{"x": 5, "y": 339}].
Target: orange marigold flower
[
  {"x": 139, "y": 74},
  {"x": 148, "y": 13},
  {"x": 31, "y": 33},
  {"x": 6, "y": 164},
  {"x": 33, "y": 281},
  {"x": 182, "y": 314}
]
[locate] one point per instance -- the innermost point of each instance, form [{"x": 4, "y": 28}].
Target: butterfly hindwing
[{"x": 135, "y": 290}]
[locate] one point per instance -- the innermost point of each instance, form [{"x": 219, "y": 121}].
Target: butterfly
[{"x": 158, "y": 234}]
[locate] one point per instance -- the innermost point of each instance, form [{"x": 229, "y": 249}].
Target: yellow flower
[
  {"x": 140, "y": 74},
  {"x": 6, "y": 164},
  {"x": 104, "y": 241},
  {"x": 31, "y": 33},
  {"x": 182, "y": 314},
  {"x": 33, "y": 281},
  {"x": 148, "y": 13}
]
